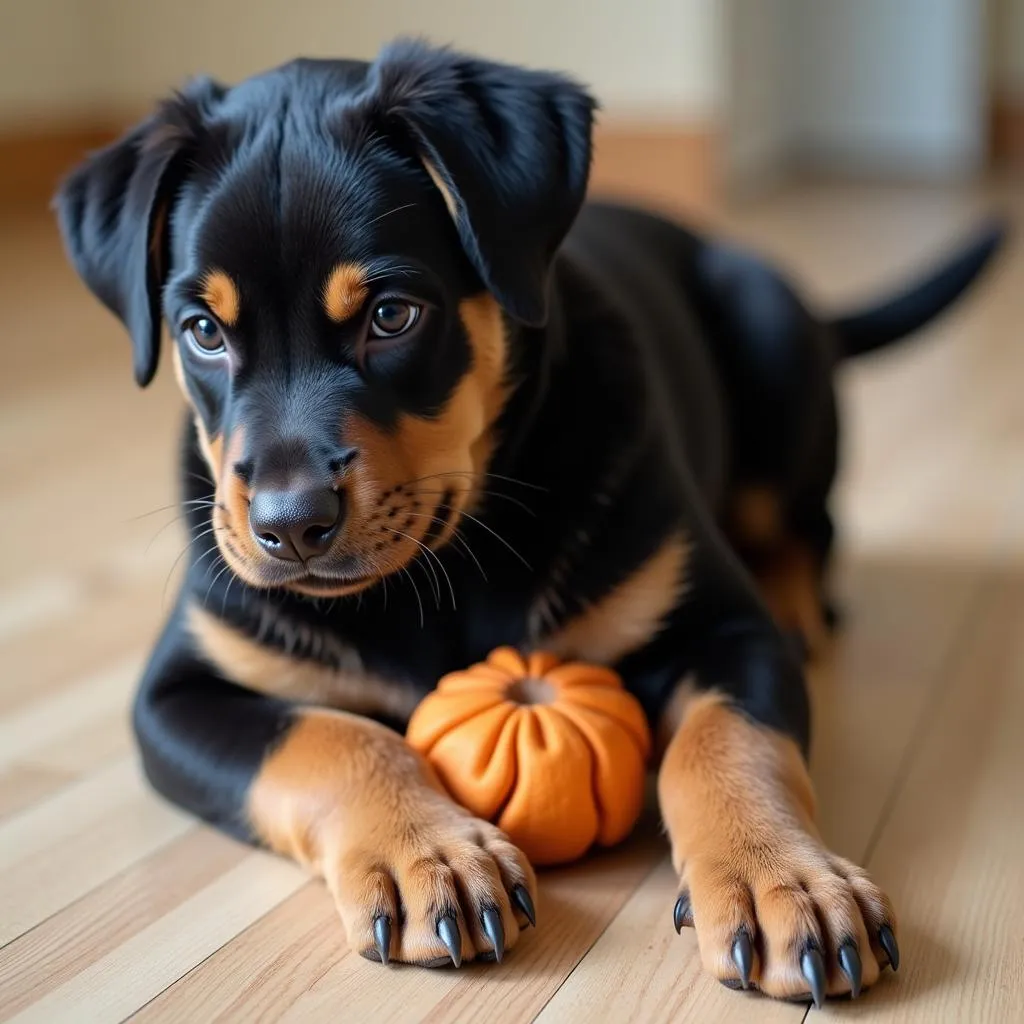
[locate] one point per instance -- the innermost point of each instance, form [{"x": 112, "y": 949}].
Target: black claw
[
  {"x": 495, "y": 930},
  {"x": 849, "y": 963},
  {"x": 448, "y": 933},
  {"x": 813, "y": 969},
  {"x": 521, "y": 898},
  {"x": 382, "y": 937},
  {"x": 743, "y": 956},
  {"x": 682, "y": 913},
  {"x": 892, "y": 950}
]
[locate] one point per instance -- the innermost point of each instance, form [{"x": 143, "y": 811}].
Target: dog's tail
[{"x": 869, "y": 329}]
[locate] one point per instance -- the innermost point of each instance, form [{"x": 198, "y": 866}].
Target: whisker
[
  {"x": 423, "y": 547},
  {"x": 176, "y": 504},
  {"x": 397, "y": 209},
  {"x": 213, "y": 582},
  {"x": 490, "y": 494},
  {"x": 456, "y": 535},
  {"x": 405, "y": 572},
  {"x": 496, "y": 536},
  {"x": 473, "y": 473}
]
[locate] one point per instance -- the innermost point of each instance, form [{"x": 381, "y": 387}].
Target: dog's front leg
[
  {"x": 415, "y": 877},
  {"x": 772, "y": 906}
]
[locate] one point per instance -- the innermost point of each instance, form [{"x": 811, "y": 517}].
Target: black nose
[{"x": 295, "y": 525}]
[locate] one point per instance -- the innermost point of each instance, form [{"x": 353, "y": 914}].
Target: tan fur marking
[
  {"x": 435, "y": 177},
  {"x": 251, "y": 664},
  {"x": 739, "y": 808},
  {"x": 790, "y": 585},
  {"x": 212, "y": 448},
  {"x": 626, "y": 618},
  {"x": 345, "y": 291},
  {"x": 351, "y": 800},
  {"x": 757, "y": 517},
  {"x": 447, "y": 451},
  {"x": 220, "y": 293},
  {"x": 674, "y": 712}
]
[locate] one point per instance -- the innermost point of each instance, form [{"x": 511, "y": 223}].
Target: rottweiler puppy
[{"x": 438, "y": 404}]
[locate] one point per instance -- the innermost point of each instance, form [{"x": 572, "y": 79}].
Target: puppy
[{"x": 437, "y": 405}]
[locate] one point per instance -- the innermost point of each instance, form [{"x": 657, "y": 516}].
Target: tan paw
[
  {"x": 432, "y": 887},
  {"x": 787, "y": 917}
]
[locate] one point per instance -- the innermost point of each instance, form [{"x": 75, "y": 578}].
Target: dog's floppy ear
[
  {"x": 113, "y": 211},
  {"x": 510, "y": 148}
]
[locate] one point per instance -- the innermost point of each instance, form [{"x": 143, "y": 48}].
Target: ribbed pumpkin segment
[
  {"x": 617, "y": 773},
  {"x": 553, "y": 753},
  {"x": 551, "y": 814}
]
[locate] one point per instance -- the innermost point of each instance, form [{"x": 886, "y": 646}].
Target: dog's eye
[
  {"x": 205, "y": 334},
  {"x": 393, "y": 317}
]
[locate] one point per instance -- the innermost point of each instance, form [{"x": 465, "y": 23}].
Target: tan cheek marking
[
  {"x": 628, "y": 617},
  {"x": 250, "y": 664},
  {"x": 459, "y": 441},
  {"x": 212, "y": 448},
  {"x": 449, "y": 199},
  {"x": 221, "y": 294},
  {"x": 334, "y": 776},
  {"x": 345, "y": 291},
  {"x": 757, "y": 517}
]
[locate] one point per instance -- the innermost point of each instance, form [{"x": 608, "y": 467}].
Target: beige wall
[
  {"x": 659, "y": 58},
  {"x": 48, "y": 59}
]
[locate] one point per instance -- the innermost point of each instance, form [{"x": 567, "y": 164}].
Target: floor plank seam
[
  {"x": 107, "y": 881},
  {"x": 195, "y": 967},
  {"x": 929, "y": 715},
  {"x": 597, "y": 938}
]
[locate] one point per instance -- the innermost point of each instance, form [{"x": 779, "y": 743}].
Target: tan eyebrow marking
[
  {"x": 345, "y": 291},
  {"x": 221, "y": 294}
]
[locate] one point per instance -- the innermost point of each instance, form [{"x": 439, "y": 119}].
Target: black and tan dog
[{"x": 439, "y": 405}]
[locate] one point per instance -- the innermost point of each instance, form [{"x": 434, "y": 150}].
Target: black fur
[{"x": 654, "y": 373}]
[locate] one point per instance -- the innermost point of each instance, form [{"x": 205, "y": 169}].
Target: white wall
[
  {"x": 760, "y": 103},
  {"x": 662, "y": 58},
  {"x": 891, "y": 85}
]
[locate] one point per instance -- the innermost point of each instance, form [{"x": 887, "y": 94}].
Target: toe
[
  {"x": 722, "y": 908},
  {"x": 515, "y": 872}
]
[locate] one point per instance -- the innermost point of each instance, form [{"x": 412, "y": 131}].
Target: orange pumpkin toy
[{"x": 553, "y": 753}]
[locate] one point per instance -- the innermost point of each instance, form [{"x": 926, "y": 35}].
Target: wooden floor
[{"x": 113, "y": 903}]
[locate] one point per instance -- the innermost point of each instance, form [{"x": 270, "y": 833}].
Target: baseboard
[
  {"x": 672, "y": 166},
  {"x": 1007, "y": 134},
  {"x": 34, "y": 160},
  {"x": 669, "y": 165}
]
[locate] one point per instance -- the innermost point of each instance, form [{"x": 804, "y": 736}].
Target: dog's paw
[
  {"x": 435, "y": 887},
  {"x": 789, "y": 918}
]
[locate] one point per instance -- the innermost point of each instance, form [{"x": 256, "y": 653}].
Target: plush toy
[{"x": 553, "y": 753}]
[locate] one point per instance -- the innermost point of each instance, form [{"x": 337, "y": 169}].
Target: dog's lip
[{"x": 317, "y": 580}]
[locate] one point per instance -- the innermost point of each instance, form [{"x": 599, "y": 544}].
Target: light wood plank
[
  {"x": 57, "y": 851},
  {"x": 147, "y": 962},
  {"x": 269, "y": 973},
  {"x": 641, "y": 972},
  {"x": 953, "y": 843},
  {"x": 48, "y": 731},
  {"x": 77, "y": 937},
  {"x": 22, "y": 785}
]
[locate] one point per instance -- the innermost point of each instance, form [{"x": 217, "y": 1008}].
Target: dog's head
[{"x": 341, "y": 252}]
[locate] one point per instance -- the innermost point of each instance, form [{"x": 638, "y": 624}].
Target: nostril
[{"x": 317, "y": 538}]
